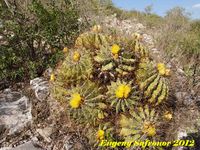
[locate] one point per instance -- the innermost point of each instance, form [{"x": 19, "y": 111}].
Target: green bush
[
  {"x": 33, "y": 40},
  {"x": 192, "y": 40},
  {"x": 190, "y": 46}
]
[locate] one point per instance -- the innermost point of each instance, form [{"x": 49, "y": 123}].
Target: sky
[{"x": 161, "y": 6}]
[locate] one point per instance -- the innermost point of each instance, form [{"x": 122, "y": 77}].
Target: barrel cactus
[
  {"x": 83, "y": 102},
  {"x": 93, "y": 39},
  {"x": 152, "y": 82},
  {"x": 122, "y": 95},
  {"x": 76, "y": 66},
  {"x": 104, "y": 80},
  {"x": 102, "y": 132},
  {"x": 105, "y": 65},
  {"x": 141, "y": 125},
  {"x": 114, "y": 61}
]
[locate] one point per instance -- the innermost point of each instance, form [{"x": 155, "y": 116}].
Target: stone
[
  {"x": 140, "y": 26},
  {"x": 5, "y": 148},
  {"x": 47, "y": 73},
  {"x": 40, "y": 87},
  {"x": 26, "y": 146},
  {"x": 180, "y": 95},
  {"x": 123, "y": 26},
  {"x": 185, "y": 98},
  {"x": 75, "y": 141},
  {"x": 45, "y": 133},
  {"x": 180, "y": 71},
  {"x": 15, "y": 111},
  {"x": 181, "y": 134}
]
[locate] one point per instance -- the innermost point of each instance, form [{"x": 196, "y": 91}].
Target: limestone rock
[
  {"x": 41, "y": 88},
  {"x": 15, "y": 111},
  {"x": 45, "y": 133},
  {"x": 26, "y": 146}
]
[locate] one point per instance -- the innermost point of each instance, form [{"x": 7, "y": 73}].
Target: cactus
[
  {"x": 92, "y": 39},
  {"x": 168, "y": 115},
  {"x": 126, "y": 62},
  {"x": 152, "y": 82},
  {"x": 134, "y": 43},
  {"x": 113, "y": 61},
  {"x": 83, "y": 102},
  {"x": 140, "y": 126},
  {"x": 102, "y": 132},
  {"x": 76, "y": 66},
  {"x": 105, "y": 65},
  {"x": 105, "y": 83},
  {"x": 122, "y": 95}
]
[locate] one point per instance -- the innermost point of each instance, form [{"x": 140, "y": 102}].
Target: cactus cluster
[{"x": 112, "y": 86}]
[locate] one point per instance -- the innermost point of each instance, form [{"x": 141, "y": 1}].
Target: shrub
[
  {"x": 33, "y": 39},
  {"x": 179, "y": 38},
  {"x": 190, "y": 46}
]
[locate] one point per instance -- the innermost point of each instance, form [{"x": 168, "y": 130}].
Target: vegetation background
[{"x": 33, "y": 34}]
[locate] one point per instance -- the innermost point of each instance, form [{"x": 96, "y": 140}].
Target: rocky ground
[{"x": 30, "y": 119}]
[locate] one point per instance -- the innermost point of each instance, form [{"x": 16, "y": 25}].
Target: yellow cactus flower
[
  {"x": 137, "y": 47},
  {"x": 163, "y": 70},
  {"x": 115, "y": 49},
  {"x": 101, "y": 115},
  {"x": 140, "y": 109},
  {"x": 137, "y": 36},
  {"x": 76, "y": 56},
  {"x": 168, "y": 115},
  {"x": 127, "y": 90},
  {"x": 52, "y": 77},
  {"x": 149, "y": 129},
  {"x": 167, "y": 72},
  {"x": 120, "y": 91},
  {"x": 124, "y": 73},
  {"x": 65, "y": 49},
  {"x": 75, "y": 100},
  {"x": 97, "y": 28},
  {"x": 115, "y": 56},
  {"x": 102, "y": 106},
  {"x": 123, "y": 91},
  {"x": 100, "y": 134}
]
